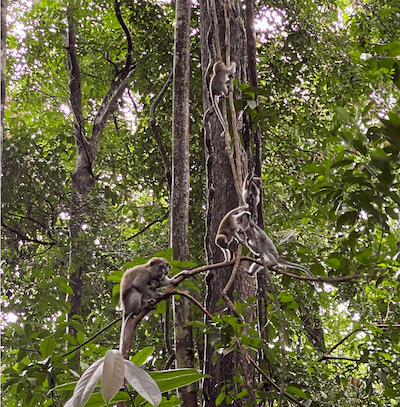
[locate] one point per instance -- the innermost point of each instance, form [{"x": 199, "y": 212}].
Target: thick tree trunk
[
  {"x": 180, "y": 190},
  {"x": 221, "y": 192}
]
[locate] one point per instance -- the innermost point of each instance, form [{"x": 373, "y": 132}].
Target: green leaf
[
  {"x": 47, "y": 346},
  {"x": 143, "y": 355},
  {"x": 65, "y": 288},
  {"x": 343, "y": 114},
  {"x": 333, "y": 262},
  {"x": 295, "y": 390}
]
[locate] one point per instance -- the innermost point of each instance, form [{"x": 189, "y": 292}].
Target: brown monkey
[
  {"x": 219, "y": 86},
  {"x": 230, "y": 229},
  {"x": 139, "y": 284}
]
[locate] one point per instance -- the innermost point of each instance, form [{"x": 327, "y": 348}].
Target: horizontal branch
[{"x": 28, "y": 239}]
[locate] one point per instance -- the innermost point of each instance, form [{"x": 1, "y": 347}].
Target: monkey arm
[{"x": 143, "y": 285}]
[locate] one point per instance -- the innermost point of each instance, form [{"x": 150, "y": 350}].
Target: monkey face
[{"x": 158, "y": 267}]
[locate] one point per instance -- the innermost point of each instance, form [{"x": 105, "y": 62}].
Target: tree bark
[
  {"x": 221, "y": 193},
  {"x": 83, "y": 178},
  {"x": 3, "y": 74},
  {"x": 180, "y": 190}
]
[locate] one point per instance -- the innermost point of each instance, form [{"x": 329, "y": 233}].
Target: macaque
[
  {"x": 139, "y": 284},
  {"x": 219, "y": 86},
  {"x": 230, "y": 229},
  {"x": 251, "y": 191},
  {"x": 261, "y": 245}
]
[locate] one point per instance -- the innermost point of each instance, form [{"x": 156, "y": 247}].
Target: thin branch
[
  {"x": 340, "y": 342},
  {"x": 342, "y": 358},
  {"x": 216, "y": 30},
  {"x": 281, "y": 331},
  {"x": 191, "y": 298},
  {"x": 28, "y": 239},
  {"x": 117, "y": 87},
  {"x": 239, "y": 178},
  {"x": 127, "y": 34},
  {"x": 229, "y": 284},
  {"x": 271, "y": 382},
  {"x": 147, "y": 227},
  {"x": 92, "y": 337}
]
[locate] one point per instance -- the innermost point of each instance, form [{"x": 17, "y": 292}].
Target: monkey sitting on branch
[
  {"x": 219, "y": 86},
  {"x": 231, "y": 228},
  {"x": 139, "y": 285}
]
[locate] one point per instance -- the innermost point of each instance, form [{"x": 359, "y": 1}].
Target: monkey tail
[
  {"x": 296, "y": 266},
  {"x": 123, "y": 326}
]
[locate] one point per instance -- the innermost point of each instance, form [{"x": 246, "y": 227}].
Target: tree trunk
[
  {"x": 221, "y": 192},
  {"x": 180, "y": 190},
  {"x": 83, "y": 178},
  {"x": 3, "y": 71}
]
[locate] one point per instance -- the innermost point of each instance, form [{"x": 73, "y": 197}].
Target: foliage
[{"x": 330, "y": 118}]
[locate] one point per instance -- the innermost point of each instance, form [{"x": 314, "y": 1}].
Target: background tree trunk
[
  {"x": 221, "y": 193},
  {"x": 83, "y": 178},
  {"x": 180, "y": 189},
  {"x": 3, "y": 75}
]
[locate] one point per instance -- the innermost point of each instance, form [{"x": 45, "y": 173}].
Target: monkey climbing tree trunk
[
  {"x": 221, "y": 191},
  {"x": 83, "y": 179},
  {"x": 180, "y": 189}
]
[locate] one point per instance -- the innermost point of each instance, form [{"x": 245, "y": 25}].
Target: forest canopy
[{"x": 90, "y": 127}]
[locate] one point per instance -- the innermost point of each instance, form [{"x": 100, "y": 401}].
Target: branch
[
  {"x": 271, "y": 382},
  {"x": 28, "y": 239},
  {"x": 92, "y": 337},
  {"x": 281, "y": 331},
  {"x": 117, "y": 87},
  {"x": 127, "y": 33},
  {"x": 191, "y": 298},
  {"x": 75, "y": 91},
  {"x": 339, "y": 343},
  {"x": 156, "y": 133},
  {"x": 229, "y": 284},
  {"x": 239, "y": 178},
  {"x": 147, "y": 227}
]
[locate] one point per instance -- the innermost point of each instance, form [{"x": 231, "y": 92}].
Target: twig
[
  {"x": 191, "y": 298},
  {"x": 92, "y": 337},
  {"x": 147, "y": 227},
  {"x": 230, "y": 282},
  {"x": 273, "y": 384}
]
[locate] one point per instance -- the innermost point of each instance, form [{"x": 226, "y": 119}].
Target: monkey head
[{"x": 158, "y": 268}]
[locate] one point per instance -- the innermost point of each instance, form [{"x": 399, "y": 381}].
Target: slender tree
[{"x": 180, "y": 188}]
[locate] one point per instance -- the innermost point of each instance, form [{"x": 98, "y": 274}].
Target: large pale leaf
[
  {"x": 113, "y": 374},
  {"x": 142, "y": 382},
  {"x": 86, "y": 385}
]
